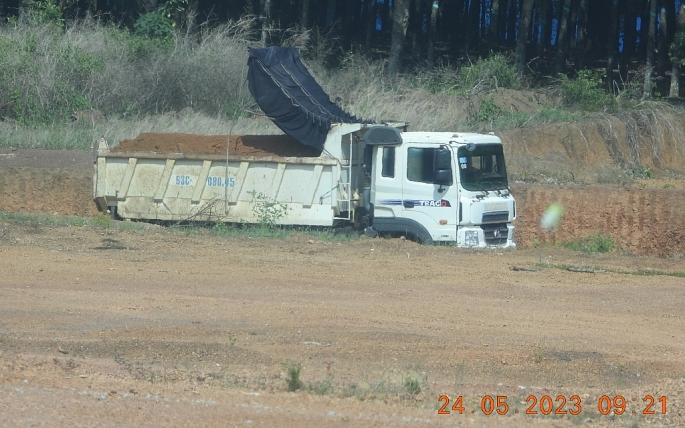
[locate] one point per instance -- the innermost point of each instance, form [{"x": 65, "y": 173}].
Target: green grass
[
  {"x": 102, "y": 221},
  {"x": 217, "y": 229},
  {"x": 592, "y": 244},
  {"x": 489, "y": 117}
]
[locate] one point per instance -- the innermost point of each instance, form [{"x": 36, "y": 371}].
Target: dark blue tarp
[{"x": 288, "y": 94}]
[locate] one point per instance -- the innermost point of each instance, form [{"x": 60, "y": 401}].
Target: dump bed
[{"x": 218, "y": 185}]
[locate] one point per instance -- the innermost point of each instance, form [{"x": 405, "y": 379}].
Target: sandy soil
[{"x": 153, "y": 327}]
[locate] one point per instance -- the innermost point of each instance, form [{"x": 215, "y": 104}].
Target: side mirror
[
  {"x": 442, "y": 167},
  {"x": 443, "y": 177},
  {"x": 443, "y": 159}
]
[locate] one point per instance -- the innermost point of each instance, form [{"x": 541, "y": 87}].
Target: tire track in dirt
[{"x": 642, "y": 221}]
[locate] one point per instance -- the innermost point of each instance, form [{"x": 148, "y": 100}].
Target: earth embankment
[{"x": 644, "y": 221}]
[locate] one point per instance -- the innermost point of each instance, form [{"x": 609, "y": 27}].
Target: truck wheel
[{"x": 361, "y": 218}]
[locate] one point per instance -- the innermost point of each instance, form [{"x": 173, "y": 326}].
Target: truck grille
[
  {"x": 495, "y": 234},
  {"x": 495, "y": 217}
]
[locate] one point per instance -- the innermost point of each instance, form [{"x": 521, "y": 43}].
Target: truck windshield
[{"x": 483, "y": 168}]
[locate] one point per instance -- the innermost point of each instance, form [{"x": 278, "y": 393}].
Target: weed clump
[
  {"x": 412, "y": 385},
  {"x": 592, "y": 244},
  {"x": 293, "y": 381}
]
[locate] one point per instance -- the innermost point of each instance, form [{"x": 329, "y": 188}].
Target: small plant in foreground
[
  {"x": 293, "y": 381},
  {"x": 103, "y": 220},
  {"x": 320, "y": 388},
  {"x": 412, "y": 385},
  {"x": 266, "y": 210}
]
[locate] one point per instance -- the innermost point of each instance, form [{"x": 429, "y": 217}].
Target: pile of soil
[{"x": 239, "y": 145}]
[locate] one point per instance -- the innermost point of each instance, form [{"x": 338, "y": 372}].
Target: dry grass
[{"x": 49, "y": 71}]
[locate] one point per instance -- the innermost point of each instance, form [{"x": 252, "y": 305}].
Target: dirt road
[
  {"x": 144, "y": 326},
  {"x": 151, "y": 327}
]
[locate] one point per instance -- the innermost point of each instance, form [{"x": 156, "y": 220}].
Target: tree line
[{"x": 543, "y": 37}]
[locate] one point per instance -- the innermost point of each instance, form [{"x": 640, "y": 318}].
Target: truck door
[
  {"x": 386, "y": 189},
  {"x": 429, "y": 190}
]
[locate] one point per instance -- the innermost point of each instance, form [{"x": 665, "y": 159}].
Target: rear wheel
[{"x": 361, "y": 218}]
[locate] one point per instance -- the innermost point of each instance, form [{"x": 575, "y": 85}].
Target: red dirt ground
[
  {"x": 137, "y": 325},
  {"x": 152, "y": 327}
]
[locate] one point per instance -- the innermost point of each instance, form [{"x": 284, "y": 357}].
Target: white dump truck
[{"x": 431, "y": 186}]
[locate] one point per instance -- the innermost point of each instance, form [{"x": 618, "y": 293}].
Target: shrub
[
  {"x": 488, "y": 111},
  {"x": 585, "y": 92},
  {"x": 267, "y": 211},
  {"x": 47, "y": 72},
  {"x": 292, "y": 380},
  {"x": 45, "y": 12},
  {"x": 154, "y": 25},
  {"x": 483, "y": 75},
  {"x": 492, "y": 72}
]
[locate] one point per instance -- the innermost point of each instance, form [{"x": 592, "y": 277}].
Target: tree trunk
[
  {"x": 522, "y": 40},
  {"x": 466, "y": 27},
  {"x": 304, "y": 19},
  {"x": 675, "y": 67},
  {"x": 561, "y": 37},
  {"x": 545, "y": 11},
  {"x": 511, "y": 22},
  {"x": 651, "y": 45},
  {"x": 662, "y": 51},
  {"x": 415, "y": 28},
  {"x": 431, "y": 33},
  {"x": 630, "y": 39},
  {"x": 385, "y": 15},
  {"x": 474, "y": 25},
  {"x": 493, "y": 33},
  {"x": 370, "y": 25},
  {"x": 266, "y": 22},
  {"x": 330, "y": 12},
  {"x": 580, "y": 43},
  {"x": 644, "y": 30},
  {"x": 400, "y": 17},
  {"x": 611, "y": 46}
]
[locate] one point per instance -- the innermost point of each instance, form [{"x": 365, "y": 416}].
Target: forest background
[{"x": 72, "y": 70}]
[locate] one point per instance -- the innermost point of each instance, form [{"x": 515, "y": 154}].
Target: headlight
[{"x": 471, "y": 238}]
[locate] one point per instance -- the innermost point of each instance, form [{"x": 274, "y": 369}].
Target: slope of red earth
[{"x": 643, "y": 221}]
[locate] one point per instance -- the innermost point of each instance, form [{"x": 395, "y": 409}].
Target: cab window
[
  {"x": 420, "y": 163},
  {"x": 388, "y": 169}
]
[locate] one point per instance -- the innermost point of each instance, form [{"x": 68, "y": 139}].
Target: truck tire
[{"x": 404, "y": 226}]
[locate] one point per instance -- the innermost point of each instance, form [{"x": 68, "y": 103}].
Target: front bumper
[{"x": 486, "y": 236}]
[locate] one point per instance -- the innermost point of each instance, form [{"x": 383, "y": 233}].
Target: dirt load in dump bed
[{"x": 240, "y": 145}]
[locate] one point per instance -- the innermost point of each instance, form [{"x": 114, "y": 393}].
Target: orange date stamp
[{"x": 560, "y": 405}]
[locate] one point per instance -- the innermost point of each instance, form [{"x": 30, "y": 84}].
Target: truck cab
[{"x": 439, "y": 187}]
